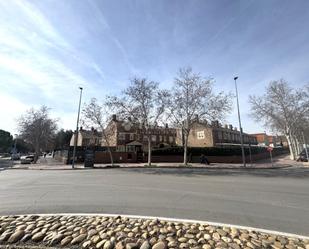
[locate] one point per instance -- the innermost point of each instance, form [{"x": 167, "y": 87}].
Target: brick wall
[{"x": 118, "y": 157}]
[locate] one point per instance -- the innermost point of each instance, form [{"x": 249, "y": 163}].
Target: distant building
[
  {"x": 126, "y": 136},
  {"x": 269, "y": 140},
  {"x": 203, "y": 134},
  {"x": 87, "y": 138}
]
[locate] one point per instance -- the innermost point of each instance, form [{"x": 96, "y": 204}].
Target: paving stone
[
  {"x": 38, "y": 237},
  {"x": 128, "y": 233},
  {"x": 16, "y": 236}
]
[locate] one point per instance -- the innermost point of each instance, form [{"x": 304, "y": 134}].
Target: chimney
[
  {"x": 226, "y": 126},
  {"x": 196, "y": 118},
  {"x": 114, "y": 117},
  {"x": 92, "y": 129},
  {"x": 217, "y": 123},
  {"x": 231, "y": 127},
  {"x": 235, "y": 128},
  {"x": 166, "y": 125},
  {"x": 81, "y": 128}
]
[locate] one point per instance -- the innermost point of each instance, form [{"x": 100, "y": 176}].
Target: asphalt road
[{"x": 270, "y": 199}]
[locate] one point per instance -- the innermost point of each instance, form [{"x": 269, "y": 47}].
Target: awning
[{"x": 135, "y": 143}]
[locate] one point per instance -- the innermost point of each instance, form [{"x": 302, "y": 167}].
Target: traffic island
[{"x": 121, "y": 232}]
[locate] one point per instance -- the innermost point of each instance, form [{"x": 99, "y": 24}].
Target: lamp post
[
  {"x": 240, "y": 128},
  {"x": 15, "y": 149},
  {"x": 305, "y": 143},
  {"x": 76, "y": 134}
]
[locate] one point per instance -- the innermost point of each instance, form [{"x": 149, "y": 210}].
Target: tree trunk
[
  {"x": 295, "y": 149},
  {"x": 291, "y": 149},
  {"x": 185, "y": 151},
  {"x": 108, "y": 146},
  {"x": 36, "y": 154},
  {"x": 110, "y": 155},
  {"x": 149, "y": 150}
]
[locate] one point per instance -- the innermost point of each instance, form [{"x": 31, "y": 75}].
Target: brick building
[
  {"x": 125, "y": 136},
  {"x": 204, "y": 134},
  {"x": 87, "y": 138},
  {"x": 268, "y": 140}
]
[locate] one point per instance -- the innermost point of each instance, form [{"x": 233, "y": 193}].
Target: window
[
  {"x": 121, "y": 148},
  {"x": 161, "y": 138},
  {"x": 171, "y": 139},
  {"x": 122, "y": 136},
  {"x": 145, "y": 138},
  {"x": 219, "y": 135},
  {"x": 131, "y": 136},
  {"x": 200, "y": 135},
  {"x": 130, "y": 148},
  {"x": 153, "y": 138}
]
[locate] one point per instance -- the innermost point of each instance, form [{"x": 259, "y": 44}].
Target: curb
[
  {"x": 273, "y": 232},
  {"x": 160, "y": 167}
]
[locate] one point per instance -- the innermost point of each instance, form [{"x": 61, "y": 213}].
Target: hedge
[{"x": 213, "y": 151}]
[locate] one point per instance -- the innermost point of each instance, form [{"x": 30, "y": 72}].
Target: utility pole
[
  {"x": 76, "y": 133},
  {"x": 306, "y": 150},
  {"x": 15, "y": 149},
  {"x": 240, "y": 128}
]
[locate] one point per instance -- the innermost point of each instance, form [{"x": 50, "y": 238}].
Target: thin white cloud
[
  {"x": 104, "y": 24},
  {"x": 30, "y": 65}
]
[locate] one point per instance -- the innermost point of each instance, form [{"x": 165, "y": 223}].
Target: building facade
[
  {"x": 87, "y": 138},
  {"x": 126, "y": 136},
  {"x": 203, "y": 134}
]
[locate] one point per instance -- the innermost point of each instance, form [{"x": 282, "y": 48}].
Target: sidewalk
[{"x": 279, "y": 162}]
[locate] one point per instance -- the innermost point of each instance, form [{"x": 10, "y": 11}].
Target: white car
[{"x": 27, "y": 159}]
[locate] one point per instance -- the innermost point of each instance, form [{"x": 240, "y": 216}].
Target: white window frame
[{"x": 200, "y": 135}]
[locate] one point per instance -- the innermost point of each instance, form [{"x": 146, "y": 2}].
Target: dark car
[{"x": 302, "y": 156}]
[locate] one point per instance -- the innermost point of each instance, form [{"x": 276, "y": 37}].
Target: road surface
[{"x": 275, "y": 199}]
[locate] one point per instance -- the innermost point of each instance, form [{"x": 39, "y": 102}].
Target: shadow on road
[{"x": 291, "y": 172}]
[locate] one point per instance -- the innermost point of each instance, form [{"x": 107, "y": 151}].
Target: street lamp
[
  {"x": 240, "y": 128},
  {"x": 15, "y": 149},
  {"x": 76, "y": 134}
]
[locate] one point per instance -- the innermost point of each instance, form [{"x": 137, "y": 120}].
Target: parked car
[
  {"x": 27, "y": 159},
  {"x": 302, "y": 157}
]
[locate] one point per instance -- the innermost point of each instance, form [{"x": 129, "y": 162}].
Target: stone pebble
[{"x": 127, "y": 233}]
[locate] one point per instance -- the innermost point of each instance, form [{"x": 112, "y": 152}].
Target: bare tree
[
  {"x": 191, "y": 96},
  {"x": 96, "y": 115},
  {"x": 38, "y": 129},
  {"x": 283, "y": 109},
  {"x": 144, "y": 103}
]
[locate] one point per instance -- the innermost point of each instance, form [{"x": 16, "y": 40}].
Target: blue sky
[{"x": 50, "y": 47}]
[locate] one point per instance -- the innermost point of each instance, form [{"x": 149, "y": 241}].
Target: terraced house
[
  {"x": 126, "y": 136},
  {"x": 204, "y": 134}
]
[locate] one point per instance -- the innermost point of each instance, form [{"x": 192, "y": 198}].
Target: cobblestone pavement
[{"x": 129, "y": 233}]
